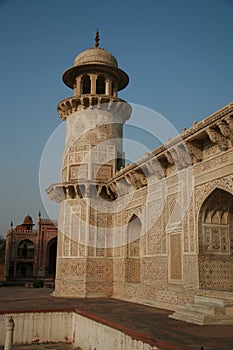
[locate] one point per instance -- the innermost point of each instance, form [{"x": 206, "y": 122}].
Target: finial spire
[{"x": 97, "y": 38}]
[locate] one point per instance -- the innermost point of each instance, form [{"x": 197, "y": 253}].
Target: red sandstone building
[{"x": 31, "y": 253}]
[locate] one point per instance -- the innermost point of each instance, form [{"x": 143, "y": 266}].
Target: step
[
  {"x": 215, "y": 294},
  {"x": 199, "y": 299},
  {"x": 223, "y": 319},
  {"x": 207, "y": 309},
  {"x": 201, "y": 318},
  {"x": 191, "y": 317},
  {"x": 229, "y": 311}
]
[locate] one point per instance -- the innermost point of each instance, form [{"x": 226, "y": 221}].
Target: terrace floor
[{"x": 139, "y": 321}]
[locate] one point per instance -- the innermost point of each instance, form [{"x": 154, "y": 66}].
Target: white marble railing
[{"x": 68, "y": 327}]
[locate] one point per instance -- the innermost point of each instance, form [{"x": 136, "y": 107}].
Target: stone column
[
  {"x": 93, "y": 78},
  {"x": 9, "y": 334},
  {"x": 114, "y": 89},
  {"x": 108, "y": 87},
  {"x": 78, "y": 90}
]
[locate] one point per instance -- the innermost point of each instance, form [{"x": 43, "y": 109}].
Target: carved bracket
[
  {"x": 225, "y": 130},
  {"x": 229, "y": 121},
  {"x": 217, "y": 138},
  {"x": 194, "y": 151},
  {"x": 136, "y": 178},
  {"x": 155, "y": 167},
  {"x": 169, "y": 157}
]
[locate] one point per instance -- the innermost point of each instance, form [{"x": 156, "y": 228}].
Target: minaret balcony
[
  {"x": 59, "y": 192},
  {"x": 76, "y": 103}
]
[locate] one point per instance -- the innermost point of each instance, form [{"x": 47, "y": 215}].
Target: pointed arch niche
[
  {"x": 215, "y": 239},
  {"x": 133, "y": 260},
  {"x": 52, "y": 256}
]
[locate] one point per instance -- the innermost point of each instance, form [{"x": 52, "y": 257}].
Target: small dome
[
  {"x": 28, "y": 220},
  {"x": 96, "y": 60},
  {"x": 96, "y": 55}
]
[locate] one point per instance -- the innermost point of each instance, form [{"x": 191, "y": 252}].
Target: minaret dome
[{"x": 99, "y": 62}]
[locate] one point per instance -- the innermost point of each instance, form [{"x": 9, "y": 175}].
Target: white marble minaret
[{"x": 93, "y": 154}]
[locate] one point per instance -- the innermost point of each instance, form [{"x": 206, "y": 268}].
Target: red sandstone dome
[{"x": 28, "y": 220}]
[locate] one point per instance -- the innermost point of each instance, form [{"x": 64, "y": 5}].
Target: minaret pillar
[
  {"x": 93, "y": 146},
  {"x": 93, "y": 78},
  {"x": 108, "y": 83}
]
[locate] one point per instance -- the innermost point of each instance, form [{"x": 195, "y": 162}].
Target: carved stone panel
[
  {"x": 175, "y": 257},
  {"x": 216, "y": 239},
  {"x": 133, "y": 270}
]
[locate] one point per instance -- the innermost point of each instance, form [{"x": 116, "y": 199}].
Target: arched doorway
[
  {"x": 100, "y": 85},
  {"x": 86, "y": 84},
  {"x": 52, "y": 256},
  {"x": 24, "y": 270},
  {"x": 133, "y": 260},
  {"x": 215, "y": 235}
]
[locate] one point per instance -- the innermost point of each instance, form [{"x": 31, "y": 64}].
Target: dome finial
[{"x": 97, "y": 38}]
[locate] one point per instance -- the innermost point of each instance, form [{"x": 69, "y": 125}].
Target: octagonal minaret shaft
[{"x": 93, "y": 153}]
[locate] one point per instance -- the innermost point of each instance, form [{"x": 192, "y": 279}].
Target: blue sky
[{"x": 178, "y": 55}]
